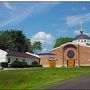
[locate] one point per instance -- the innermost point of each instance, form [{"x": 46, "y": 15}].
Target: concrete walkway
[
  {"x": 19, "y": 68},
  {"x": 81, "y": 82}
]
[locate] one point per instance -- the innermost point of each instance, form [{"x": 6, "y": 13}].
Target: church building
[{"x": 71, "y": 54}]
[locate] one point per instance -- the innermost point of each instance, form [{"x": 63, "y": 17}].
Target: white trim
[
  {"x": 33, "y": 54},
  {"x": 70, "y": 43},
  {"x": 45, "y": 65},
  {"x": 61, "y": 46},
  {"x": 67, "y": 66},
  {"x": 59, "y": 65},
  {"x": 84, "y": 64}
]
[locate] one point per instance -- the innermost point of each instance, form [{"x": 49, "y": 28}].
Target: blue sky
[{"x": 45, "y": 21}]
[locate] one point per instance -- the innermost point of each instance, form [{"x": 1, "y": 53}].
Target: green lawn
[{"x": 37, "y": 78}]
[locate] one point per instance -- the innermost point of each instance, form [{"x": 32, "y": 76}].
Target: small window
[
  {"x": 84, "y": 40},
  {"x": 8, "y": 60},
  {"x": 81, "y": 40}
]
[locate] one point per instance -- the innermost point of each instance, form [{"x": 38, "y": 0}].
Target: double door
[{"x": 70, "y": 62}]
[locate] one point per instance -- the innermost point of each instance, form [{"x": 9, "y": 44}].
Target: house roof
[
  {"x": 46, "y": 54},
  {"x": 20, "y": 54},
  {"x": 33, "y": 54}
]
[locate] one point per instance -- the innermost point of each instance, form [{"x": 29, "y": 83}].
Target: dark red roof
[{"x": 19, "y": 54}]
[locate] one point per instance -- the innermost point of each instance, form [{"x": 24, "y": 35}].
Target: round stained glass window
[{"x": 70, "y": 54}]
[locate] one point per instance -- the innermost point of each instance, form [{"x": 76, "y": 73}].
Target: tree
[
  {"x": 37, "y": 47},
  {"x": 62, "y": 40},
  {"x": 28, "y": 46},
  {"x": 15, "y": 40},
  {"x": 4, "y": 39}
]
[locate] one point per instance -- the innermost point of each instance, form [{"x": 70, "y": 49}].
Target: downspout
[
  {"x": 78, "y": 56},
  {"x": 63, "y": 58}
]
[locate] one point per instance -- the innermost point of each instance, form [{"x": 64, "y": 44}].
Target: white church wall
[{"x": 84, "y": 42}]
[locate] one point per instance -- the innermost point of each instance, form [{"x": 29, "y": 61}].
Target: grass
[{"x": 37, "y": 78}]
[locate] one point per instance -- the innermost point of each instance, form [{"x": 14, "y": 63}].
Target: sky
[{"x": 45, "y": 21}]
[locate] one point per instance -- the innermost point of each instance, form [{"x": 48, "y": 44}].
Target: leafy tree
[
  {"x": 62, "y": 40},
  {"x": 28, "y": 46},
  {"x": 37, "y": 47},
  {"x": 15, "y": 40}
]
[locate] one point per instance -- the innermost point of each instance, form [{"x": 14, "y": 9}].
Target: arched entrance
[{"x": 69, "y": 55}]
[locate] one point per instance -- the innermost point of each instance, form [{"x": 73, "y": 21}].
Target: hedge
[
  {"x": 4, "y": 64},
  {"x": 18, "y": 64}
]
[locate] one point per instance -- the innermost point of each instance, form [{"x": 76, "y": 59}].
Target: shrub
[
  {"x": 16, "y": 63},
  {"x": 19, "y": 64},
  {"x": 23, "y": 64},
  {"x": 4, "y": 64},
  {"x": 34, "y": 63}
]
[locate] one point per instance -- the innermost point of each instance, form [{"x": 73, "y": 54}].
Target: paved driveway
[{"x": 81, "y": 82}]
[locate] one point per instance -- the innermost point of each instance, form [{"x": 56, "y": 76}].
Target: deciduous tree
[{"x": 62, "y": 40}]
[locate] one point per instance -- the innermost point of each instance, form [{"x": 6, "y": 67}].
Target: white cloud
[
  {"x": 77, "y": 32},
  {"x": 43, "y": 37},
  {"x": 77, "y": 19},
  {"x": 7, "y": 5},
  {"x": 16, "y": 14},
  {"x": 73, "y": 20}
]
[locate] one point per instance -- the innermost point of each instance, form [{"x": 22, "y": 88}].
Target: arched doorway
[{"x": 69, "y": 55}]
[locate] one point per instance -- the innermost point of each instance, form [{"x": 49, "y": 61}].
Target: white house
[{"x": 10, "y": 56}]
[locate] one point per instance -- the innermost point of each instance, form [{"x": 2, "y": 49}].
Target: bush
[
  {"x": 4, "y": 64},
  {"x": 23, "y": 64},
  {"x": 34, "y": 63},
  {"x": 18, "y": 64},
  {"x": 15, "y": 64}
]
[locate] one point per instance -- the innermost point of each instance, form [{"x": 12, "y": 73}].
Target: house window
[
  {"x": 16, "y": 59},
  {"x": 8, "y": 60},
  {"x": 23, "y": 60}
]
